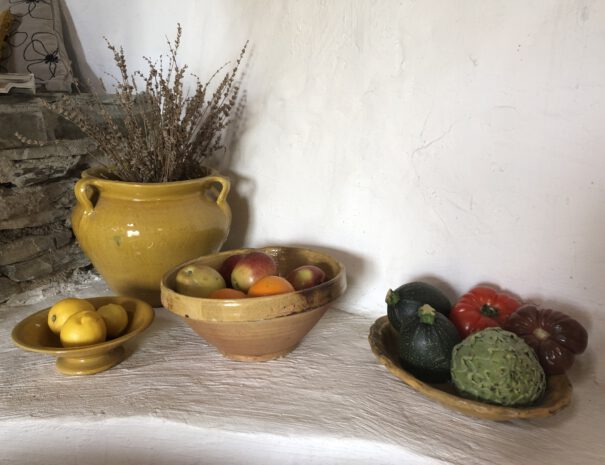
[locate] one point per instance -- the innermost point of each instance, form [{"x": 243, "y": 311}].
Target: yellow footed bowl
[
  {"x": 133, "y": 233},
  {"x": 34, "y": 335}
]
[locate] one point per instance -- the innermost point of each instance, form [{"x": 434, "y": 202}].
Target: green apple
[{"x": 198, "y": 280}]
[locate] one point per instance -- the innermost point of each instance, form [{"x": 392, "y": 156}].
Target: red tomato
[{"x": 480, "y": 308}]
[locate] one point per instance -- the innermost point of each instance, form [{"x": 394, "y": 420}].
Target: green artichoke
[{"x": 497, "y": 366}]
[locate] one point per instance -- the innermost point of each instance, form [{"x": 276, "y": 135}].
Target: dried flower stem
[{"x": 163, "y": 135}]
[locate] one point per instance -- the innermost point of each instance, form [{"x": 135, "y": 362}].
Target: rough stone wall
[{"x": 36, "y": 193}]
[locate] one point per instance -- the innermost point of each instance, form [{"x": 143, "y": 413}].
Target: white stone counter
[{"x": 176, "y": 401}]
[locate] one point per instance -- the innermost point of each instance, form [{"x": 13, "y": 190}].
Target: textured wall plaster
[{"x": 453, "y": 141}]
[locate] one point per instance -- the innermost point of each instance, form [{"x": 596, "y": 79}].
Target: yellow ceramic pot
[{"x": 134, "y": 233}]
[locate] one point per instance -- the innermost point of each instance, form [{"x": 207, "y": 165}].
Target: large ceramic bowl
[
  {"x": 33, "y": 334},
  {"x": 258, "y": 328}
]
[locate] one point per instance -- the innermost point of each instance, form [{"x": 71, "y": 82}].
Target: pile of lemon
[{"x": 78, "y": 323}]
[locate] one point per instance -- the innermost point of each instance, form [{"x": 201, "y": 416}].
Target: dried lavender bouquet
[{"x": 162, "y": 134}]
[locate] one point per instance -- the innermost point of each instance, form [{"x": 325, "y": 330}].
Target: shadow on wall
[
  {"x": 87, "y": 80},
  {"x": 440, "y": 284},
  {"x": 242, "y": 188},
  {"x": 355, "y": 265}
]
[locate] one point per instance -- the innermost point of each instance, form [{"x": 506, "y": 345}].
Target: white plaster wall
[{"x": 457, "y": 141}]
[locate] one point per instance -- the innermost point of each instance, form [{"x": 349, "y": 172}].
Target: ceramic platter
[{"x": 383, "y": 340}]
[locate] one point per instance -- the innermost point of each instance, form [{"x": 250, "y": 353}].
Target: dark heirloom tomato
[
  {"x": 555, "y": 337},
  {"x": 480, "y": 308}
]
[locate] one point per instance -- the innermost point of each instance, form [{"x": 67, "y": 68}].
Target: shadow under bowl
[
  {"x": 258, "y": 328},
  {"x": 34, "y": 335}
]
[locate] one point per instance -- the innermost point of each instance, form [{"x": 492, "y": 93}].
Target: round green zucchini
[
  {"x": 406, "y": 299},
  {"x": 426, "y": 341}
]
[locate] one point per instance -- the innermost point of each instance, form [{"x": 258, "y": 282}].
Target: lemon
[
  {"x": 116, "y": 319},
  {"x": 63, "y": 309},
  {"x": 84, "y": 328}
]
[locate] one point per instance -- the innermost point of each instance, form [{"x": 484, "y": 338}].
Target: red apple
[
  {"x": 306, "y": 276},
  {"x": 227, "y": 266},
  {"x": 251, "y": 268}
]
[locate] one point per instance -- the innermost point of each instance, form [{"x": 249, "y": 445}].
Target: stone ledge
[
  {"x": 31, "y": 125},
  {"x": 35, "y": 206},
  {"x": 36, "y": 187},
  {"x": 32, "y": 172},
  {"x": 57, "y": 148},
  {"x": 14, "y": 103},
  {"x": 28, "y": 247},
  {"x": 50, "y": 261},
  {"x": 8, "y": 288}
]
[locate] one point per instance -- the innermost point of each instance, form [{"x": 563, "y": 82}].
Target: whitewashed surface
[{"x": 176, "y": 400}]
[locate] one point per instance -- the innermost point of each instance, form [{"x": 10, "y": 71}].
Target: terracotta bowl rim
[{"x": 338, "y": 282}]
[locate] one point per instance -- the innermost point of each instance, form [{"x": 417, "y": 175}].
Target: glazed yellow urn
[{"x": 133, "y": 233}]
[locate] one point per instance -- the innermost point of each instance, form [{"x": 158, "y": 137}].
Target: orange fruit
[
  {"x": 227, "y": 293},
  {"x": 270, "y": 285}
]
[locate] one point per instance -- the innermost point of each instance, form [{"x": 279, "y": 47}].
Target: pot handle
[
  {"x": 225, "y": 187},
  {"x": 82, "y": 190}
]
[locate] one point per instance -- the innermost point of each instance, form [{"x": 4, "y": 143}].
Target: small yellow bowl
[
  {"x": 33, "y": 334},
  {"x": 258, "y": 328}
]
